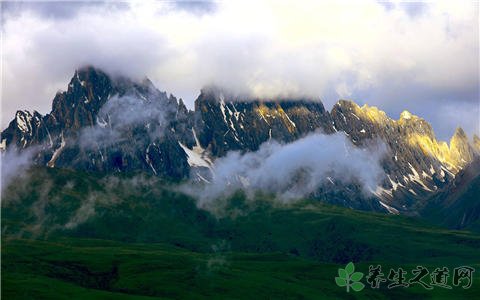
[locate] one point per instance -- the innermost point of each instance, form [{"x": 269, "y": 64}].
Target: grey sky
[
  {"x": 422, "y": 57},
  {"x": 57, "y": 9}
]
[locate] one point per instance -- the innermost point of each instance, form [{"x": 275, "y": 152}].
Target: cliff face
[
  {"x": 418, "y": 164},
  {"x": 229, "y": 123},
  {"x": 106, "y": 124}
]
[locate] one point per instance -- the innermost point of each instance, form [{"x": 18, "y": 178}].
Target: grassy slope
[
  {"x": 458, "y": 207},
  {"x": 155, "y": 242}
]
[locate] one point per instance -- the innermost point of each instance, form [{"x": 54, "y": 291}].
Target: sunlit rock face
[
  {"x": 418, "y": 164},
  {"x": 106, "y": 124},
  {"x": 236, "y": 123}
]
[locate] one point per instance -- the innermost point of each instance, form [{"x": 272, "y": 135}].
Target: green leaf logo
[{"x": 349, "y": 278}]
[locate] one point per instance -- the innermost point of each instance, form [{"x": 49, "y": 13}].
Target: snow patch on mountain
[
  {"x": 57, "y": 152},
  {"x": 196, "y": 157}
]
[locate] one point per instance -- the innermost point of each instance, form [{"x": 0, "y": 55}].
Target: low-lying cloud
[
  {"x": 14, "y": 163},
  {"x": 120, "y": 114},
  {"x": 292, "y": 171},
  {"x": 288, "y": 171}
]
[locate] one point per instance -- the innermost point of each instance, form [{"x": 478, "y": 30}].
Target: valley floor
[{"x": 74, "y": 268}]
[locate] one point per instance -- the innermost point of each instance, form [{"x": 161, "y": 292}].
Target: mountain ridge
[{"x": 89, "y": 128}]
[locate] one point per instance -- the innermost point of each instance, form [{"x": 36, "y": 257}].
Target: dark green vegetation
[
  {"x": 458, "y": 206},
  {"x": 71, "y": 235}
]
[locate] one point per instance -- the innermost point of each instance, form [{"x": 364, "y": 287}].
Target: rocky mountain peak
[
  {"x": 455, "y": 155},
  {"x": 476, "y": 142},
  {"x": 460, "y": 148},
  {"x": 239, "y": 122},
  {"x": 460, "y": 134},
  {"x": 374, "y": 114},
  {"x": 347, "y": 109},
  {"x": 22, "y": 129},
  {"x": 406, "y": 115},
  {"x": 23, "y": 119},
  {"x": 106, "y": 123}
]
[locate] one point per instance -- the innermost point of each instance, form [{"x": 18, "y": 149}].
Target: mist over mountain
[
  {"x": 303, "y": 168},
  {"x": 291, "y": 147}
]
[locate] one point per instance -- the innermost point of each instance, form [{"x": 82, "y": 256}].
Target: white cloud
[
  {"x": 327, "y": 49},
  {"x": 293, "y": 171}
]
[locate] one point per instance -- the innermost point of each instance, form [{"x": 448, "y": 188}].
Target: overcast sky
[{"x": 415, "y": 56}]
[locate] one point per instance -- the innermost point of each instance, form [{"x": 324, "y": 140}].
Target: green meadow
[{"x": 91, "y": 237}]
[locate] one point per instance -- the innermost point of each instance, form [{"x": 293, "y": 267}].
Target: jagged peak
[
  {"x": 375, "y": 114},
  {"x": 476, "y": 142},
  {"x": 147, "y": 82},
  {"x": 348, "y": 104},
  {"x": 379, "y": 116},
  {"x": 85, "y": 76},
  {"x": 94, "y": 80},
  {"x": 461, "y": 148},
  {"x": 370, "y": 113},
  {"x": 414, "y": 124},
  {"x": 21, "y": 113},
  {"x": 460, "y": 133},
  {"x": 23, "y": 118},
  {"x": 456, "y": 154},
  {"x": 459, "y": 139},
  {"x": 406, "y": 115},
  {"x": 89, "y": 73},
  {"x": 86, "y": 69},
  {"x": 85, "y": 73},
  {"x": 26, "y": 115},
  {"x": 181, "y": 105}
]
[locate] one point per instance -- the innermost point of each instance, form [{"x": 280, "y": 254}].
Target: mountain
[
  {"x": 89, "y": 129},
  {"x": 231, "y": 123},
  {"x": 457, "y": 205},
  {"x": 107, "y": 211},
  {"x": 418, "y": 164},
  {"x": 115, "y": 125}
]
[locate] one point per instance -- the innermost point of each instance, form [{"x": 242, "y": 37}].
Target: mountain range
[{"x": 112, "y": 124}]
